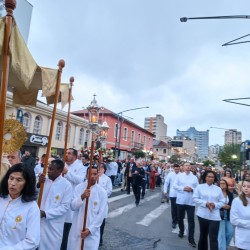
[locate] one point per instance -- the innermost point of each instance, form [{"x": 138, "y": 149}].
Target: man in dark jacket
[{"x": 28, "y": 160}]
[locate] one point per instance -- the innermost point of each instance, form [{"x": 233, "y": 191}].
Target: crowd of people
[{"x": 74, "y": 200}]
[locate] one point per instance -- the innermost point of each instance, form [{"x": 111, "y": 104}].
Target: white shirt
[
  {"x": 208, "y": 193},
  {"x": 106, "y": 184},
  {"x": 38, "y": 169},
  {"x": 19, "y": 224},
  {"x": 169, "y": 180},
  {"x": 240, "y": 218},
  {"x": 113, "y": 168},
  {"x": 96, "y": 213},
  {"x": 55, "y": 203},
  {"x": 185, "y": 180},
  {"x": 76, "y": 174}
]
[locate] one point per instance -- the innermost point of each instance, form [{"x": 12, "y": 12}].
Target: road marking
[
  {"x": 149, "y": 218},
  {"x": 118, "y": 197},
  {"x": 126, "y": 208}
]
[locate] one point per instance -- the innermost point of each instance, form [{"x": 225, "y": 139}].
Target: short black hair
[
  {"x": 29, "y": 191},
  {"x": 93, "y": 167},
  {"x": 176, "y": 165},
  {"x": 86, "y": 156},
  {"x": 74, "y": 151},
  {"x": 58, "y": 163}
]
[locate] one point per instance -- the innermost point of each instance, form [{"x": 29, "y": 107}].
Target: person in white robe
[
  {"x": 105, "y": 182},
  {"x": 55, "y": 204},
  {"x": 19, "y": 213},
  {"x": 5, "y": 165},
  {"x": 95, "y": 214},
  {"x": 75, "y": 173}
]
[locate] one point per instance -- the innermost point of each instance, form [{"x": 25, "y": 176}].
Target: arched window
[
  {"x": 26, "y": 121},
  {"x": 81, "y": 136},
  {"x": 86, "y": 138},
  {"x": 59, "y": 131},
  {"x": 37, "y": 125},
  {"x": 69, "y": 131}
]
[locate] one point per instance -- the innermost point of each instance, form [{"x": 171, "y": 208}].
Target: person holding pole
[
  {"x": 74, "y": 173},
  {"x": 54, "y": 207},
  {"x": 97, "y": 202}
]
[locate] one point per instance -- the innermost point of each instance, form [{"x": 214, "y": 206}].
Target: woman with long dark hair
[
  {"x": 19, "y": 213},
  {"x": 209, "y": 199},
  {"x": 226, "y": 230},
  {"x": 240, "y": 217}
]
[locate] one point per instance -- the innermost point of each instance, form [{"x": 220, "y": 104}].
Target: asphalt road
[{"x": 145, "y": 227}]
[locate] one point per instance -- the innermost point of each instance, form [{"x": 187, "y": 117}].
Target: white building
[
  {"x": 37, "y": 121},
  {"x": 156, "y": 126},
  {"x": 232, "y": 136}
]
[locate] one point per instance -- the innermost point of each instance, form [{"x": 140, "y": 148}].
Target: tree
[
  {"x": 175, "y": 158},
  {"x": 139, "y": 154},
  {"x": 230, "y": 155}
]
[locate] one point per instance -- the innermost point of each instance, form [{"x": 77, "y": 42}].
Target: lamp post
[{"x": 119, "y": 125}]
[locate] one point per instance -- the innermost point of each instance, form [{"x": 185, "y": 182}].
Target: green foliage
[
  {"x": 227, "y": 153},
  {"x": 139, "y": 154},
  {"x": 175, "y": 159},
  {"x": 208, "y": 163}
]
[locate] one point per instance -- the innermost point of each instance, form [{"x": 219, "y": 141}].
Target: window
[
  {"x": 116, "y": 131},
  {"x": 86, "y": 138},
  {"x": 144, "y": 140},
  {"x": 81, "y": 136},
  {"x": 149, "y": 142},
  {"x": 69, "y": 131},
  {"x": 37, "y": 125},
  {"x": 139, "y": 138},
  {"x": 26, "y": 121},
  {"x": 125, "y": 134},
  {"x": 59, "y": 131},
  {"x": 132, "y": 136},
  {"x": 164, "y": 151}
]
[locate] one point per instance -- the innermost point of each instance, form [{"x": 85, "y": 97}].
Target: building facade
[
  {"x": 232, "y": 136},
  {"x": 37, "y": 121},
  {"x": 156, "y": 126},
  {"x": 124, "y": 136},
  {"x": 201, "y": 139}
]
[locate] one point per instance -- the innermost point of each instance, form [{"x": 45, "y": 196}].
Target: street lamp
[{"x": 119, "y": 124}]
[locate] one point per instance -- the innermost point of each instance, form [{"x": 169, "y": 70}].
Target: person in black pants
[
  {"x": 137, "y": 179},
  {"x": 130, "y": 167}
]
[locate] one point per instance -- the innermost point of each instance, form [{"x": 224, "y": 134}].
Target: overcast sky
[{"x": 134, "y": 53}]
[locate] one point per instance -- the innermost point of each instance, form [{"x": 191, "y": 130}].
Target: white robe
[
  {"x": 105, "y": 182},
  {"x": 76, "y": 174},
  {"x": 19, "y": 224},
  {"x": 56, "y": 199},
  {"x": 96, "y": 213}
]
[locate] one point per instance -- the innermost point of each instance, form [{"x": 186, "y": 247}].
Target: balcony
[{"x": 136, "y": 145}]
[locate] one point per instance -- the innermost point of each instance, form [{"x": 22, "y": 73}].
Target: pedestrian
[
  {"x": 128, "y": 172},
  {"x": 138, "y": 175},
  {"x": 14, "y": 157},
  {"x": 55, "y": 204},
  {"x": 39, "y": 167},
  {"x": 240, "y": 217},
  {"x": 105, "y": 182},
  {"x": 28, "y": 160},
  {"x": 230, "y": 180},
  {"x": 209, "y": 199},
  {"x": 226, "y": 230},
  {"x": 152, "y": 177},
  {"x": 169, "y": 185},
  {"x": 19, "y": 213},
  {"x": 97, "y": 202},
  {"x": 75, "y": 173},
  {"x": 239, "y": 186},
  {"x": 124, "y": 177},
  {"x": 185, "y": 184}
]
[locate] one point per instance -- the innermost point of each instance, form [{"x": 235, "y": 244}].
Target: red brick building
[{"x": 132, "y": 136}]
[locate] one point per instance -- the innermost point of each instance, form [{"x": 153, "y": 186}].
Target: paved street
[{"x": 145, "y": 227}]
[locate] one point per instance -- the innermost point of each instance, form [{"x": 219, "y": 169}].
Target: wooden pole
[
  {"x": 87, "y": 199},
  {"x": 61, "y": 65},
  {"x": 10, "y": 5},
  {"x": 71, "y": 80}
]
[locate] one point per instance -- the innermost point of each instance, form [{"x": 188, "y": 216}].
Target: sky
[{"x": 136, "y": 53}]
